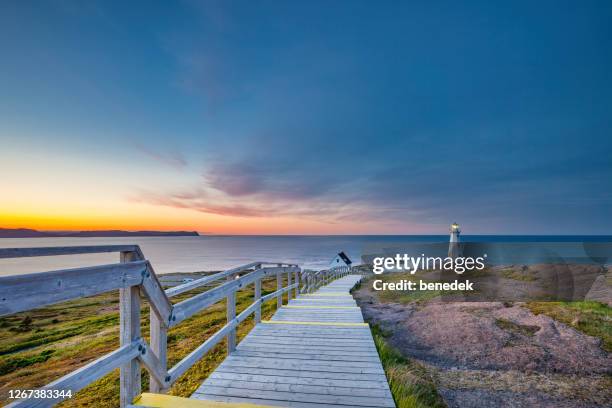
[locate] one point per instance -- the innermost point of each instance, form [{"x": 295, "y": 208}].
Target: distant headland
[{"x": 32, "y": 233}]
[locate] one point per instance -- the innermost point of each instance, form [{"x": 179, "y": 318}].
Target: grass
[
  {"x": 11, "y": 364},
  {"x": 42, "y": 345},
  {"x": 592, "y": 318},
  {"x": 515, "y": 328},
  {"x": 517, "y": 275},
  {"x": 410, "y": 383}
]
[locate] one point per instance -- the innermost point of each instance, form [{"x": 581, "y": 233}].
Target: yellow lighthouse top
[{"x": 455, "y": 227}]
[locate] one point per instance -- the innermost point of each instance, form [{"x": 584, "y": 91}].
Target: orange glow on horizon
[
  {"x": 69, "y": 192},
  {"x": 168, "y": 219}
]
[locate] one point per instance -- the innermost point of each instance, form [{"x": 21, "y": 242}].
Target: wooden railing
[
  {"x": 134, "y": 276},
  {"x": 313, "y": 280}
]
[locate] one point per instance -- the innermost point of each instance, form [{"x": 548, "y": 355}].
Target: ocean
[{"x": 213, "y": 253}]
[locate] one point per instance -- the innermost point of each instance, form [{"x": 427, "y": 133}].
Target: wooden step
[{"x": 150, "y": 400}]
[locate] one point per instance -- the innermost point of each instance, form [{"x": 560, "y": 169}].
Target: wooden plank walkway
[{"x": 315, "y": 352}]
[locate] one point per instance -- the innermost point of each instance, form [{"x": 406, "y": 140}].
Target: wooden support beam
[
  {"x": 160, "y": 314},
  {"x": 153, "y": 365},
  {"x": 159, "y": 346},
  {"x": 155, "y": 294},
  {"x": 257, "y": 297},
  {"x": 129, "y": 331},
  {"x": 279, "y": 286},
  {"x": 231, "y": 314},
  {"x": 288, "y": 284}
]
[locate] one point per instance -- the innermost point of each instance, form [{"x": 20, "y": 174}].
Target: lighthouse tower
[{"x": 453, "y": 245}]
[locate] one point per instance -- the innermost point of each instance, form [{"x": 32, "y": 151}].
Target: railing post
[
  {"x": 258, "y": 297},
  {"x": 129, "y": 311},
  {"x": 279, "y": 286},
  {"x": 303, "y": 282},
  {"x": 297, "y": 286},
  {"x": 159, "y": 347},
  {"x": 231, "y": 314},
  {"x": 289, "y": 284}
]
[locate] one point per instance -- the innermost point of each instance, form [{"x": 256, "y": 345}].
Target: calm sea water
[{"x": 210, "y": 253}]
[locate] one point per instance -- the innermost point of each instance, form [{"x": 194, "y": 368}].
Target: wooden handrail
[
  {"x": 193, "y": 305},
  {"x": 135, "y": 275},
  {"x": 185, "y": 287},
  {"x": 70, "y": 250},
  {"x": 29, "y": 291}
]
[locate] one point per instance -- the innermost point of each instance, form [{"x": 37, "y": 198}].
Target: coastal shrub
[
  {"x": 25, "y": 324},
  {"x": 11, "y": 364}
]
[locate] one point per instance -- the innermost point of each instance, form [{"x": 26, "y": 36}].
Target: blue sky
[{"x": 309, "y": 117}]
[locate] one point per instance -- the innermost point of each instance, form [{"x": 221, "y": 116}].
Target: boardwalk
[{"x": 315, "y": 352}]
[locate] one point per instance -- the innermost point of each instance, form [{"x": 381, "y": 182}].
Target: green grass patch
[
  {"x": 11, "y": 364},
  {"x": 45, "y": 335},
  {"x": 515, "y": 328},
  {"x": 517, "y": 275},
  {"x": 410, "y": 383},
  {"x": 592, "y": 318}
]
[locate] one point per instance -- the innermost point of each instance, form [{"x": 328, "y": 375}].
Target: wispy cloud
[
  {"x": 171, "y": 158},
  {"x": 259, "y": 206},
  {"x": 236, "y": 180}
]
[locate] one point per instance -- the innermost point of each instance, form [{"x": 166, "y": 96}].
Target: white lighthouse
[{"x": 453, "y": 245}]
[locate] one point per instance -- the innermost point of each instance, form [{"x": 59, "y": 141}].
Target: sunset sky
[{"x": 287, "y": 117}]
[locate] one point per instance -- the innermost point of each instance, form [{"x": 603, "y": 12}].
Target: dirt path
[{"x": 495, "y": 355}]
